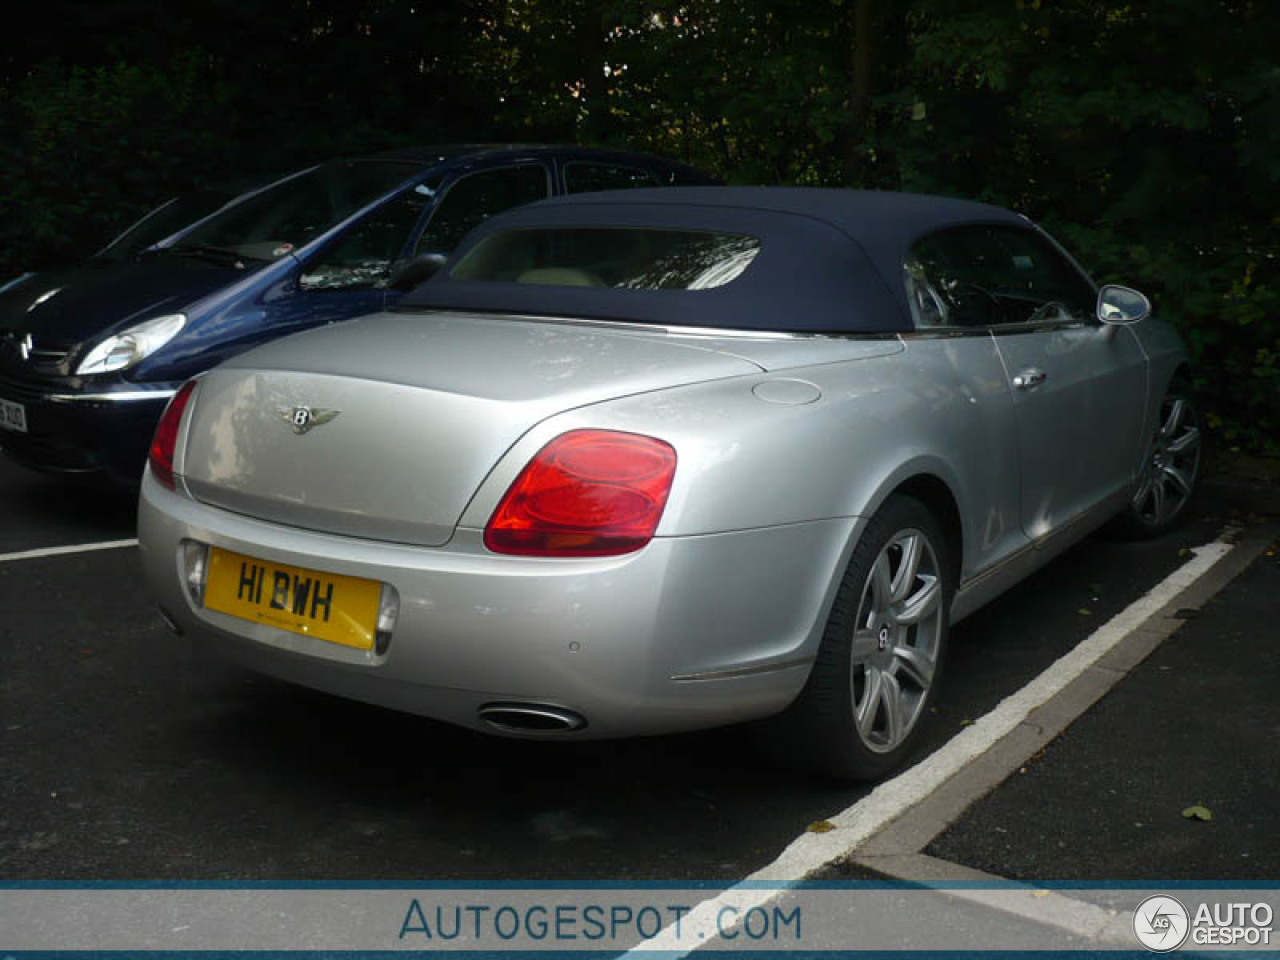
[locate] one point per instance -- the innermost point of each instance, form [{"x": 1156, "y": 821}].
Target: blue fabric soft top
[{"x": 830, "y": 261}]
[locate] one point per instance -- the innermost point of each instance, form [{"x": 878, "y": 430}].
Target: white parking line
[
  {"x": 61, "y": 551},
  {"x": 810, "y": 852}
]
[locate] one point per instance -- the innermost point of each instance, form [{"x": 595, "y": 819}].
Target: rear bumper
[
  {"x": 686, "y": 633},
  {"x": 103, "y": 432}
]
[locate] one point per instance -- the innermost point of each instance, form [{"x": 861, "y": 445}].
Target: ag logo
[
  {"x": 1161, "y": 923},
  {"x": 303, "y": 419}
]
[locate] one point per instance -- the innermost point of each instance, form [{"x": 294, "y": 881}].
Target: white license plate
[{"x": 13, "y": 416}]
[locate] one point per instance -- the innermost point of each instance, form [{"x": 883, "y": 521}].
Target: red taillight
[
  {"x": 165, "y": 440},
  {"x": 587, "y": 493}
]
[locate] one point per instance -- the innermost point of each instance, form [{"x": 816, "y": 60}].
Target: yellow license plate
[{"x": 328, "y": 606}]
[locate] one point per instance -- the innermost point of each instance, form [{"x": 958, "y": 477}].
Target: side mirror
[
  {"x": 418, "y": 270},
  {"x": 1119, "y": 306}
]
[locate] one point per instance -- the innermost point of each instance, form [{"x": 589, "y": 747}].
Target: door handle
[{"x": 1029, "y": 378}]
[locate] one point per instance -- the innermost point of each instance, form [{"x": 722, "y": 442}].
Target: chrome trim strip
[
  {"x": 14, "y": 282},
  {"x": 1000, "y": 565},
  {"x": 121, "y": 396},
  {"x": 1047, "y": 326},
  {"x": 662, "y": 328},
  {"x": 677, "y": 331},
  {"x": 945, "y": 333},
  {"x": 996, "y": 330},
  {"x": 741, "y": 671}
]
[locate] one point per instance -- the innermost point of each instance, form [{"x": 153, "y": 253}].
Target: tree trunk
[
  {"x": 589, "y": 37},
  {"x": 860, "y": 90}
]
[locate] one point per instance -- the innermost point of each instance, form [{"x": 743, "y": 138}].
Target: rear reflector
[
  {"x": 165, "y": 441},
  {"x": 587, "y": 493}
]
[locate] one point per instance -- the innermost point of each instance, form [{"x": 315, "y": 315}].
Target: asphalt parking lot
[
  {"x": 1197, "y": 723},
  {"x": 126, "y": 753}
]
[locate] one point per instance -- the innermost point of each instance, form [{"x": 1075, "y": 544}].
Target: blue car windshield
[
  {"x": 171, "y": 217},
  {"x": 289, "y": 215}
]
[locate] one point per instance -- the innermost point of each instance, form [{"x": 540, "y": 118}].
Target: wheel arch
[
  {"x": 930, "y": 479},
  {"x": 813, "y": 731},
  {"x": 925, "y": 482},
  {"x": 936, "y": 495}
]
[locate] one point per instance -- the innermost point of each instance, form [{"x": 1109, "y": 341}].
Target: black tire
[
  {"x": 1170, "y": 471},
  {"x": 871, "y": 652}
]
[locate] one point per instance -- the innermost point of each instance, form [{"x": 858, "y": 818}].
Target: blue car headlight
[{"x": 126, "y": 348}]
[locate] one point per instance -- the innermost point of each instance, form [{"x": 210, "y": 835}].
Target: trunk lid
[{"x": 406, "y": 414}]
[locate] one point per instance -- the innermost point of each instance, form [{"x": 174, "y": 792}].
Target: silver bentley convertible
[{"x": 664, "y": 459}]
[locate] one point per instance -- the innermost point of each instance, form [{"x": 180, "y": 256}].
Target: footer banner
[{"x": 653, "y": 920}]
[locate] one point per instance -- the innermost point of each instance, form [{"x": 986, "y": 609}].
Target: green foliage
[
  {"x": 753, "y": 91},
  {"x": 94, "y": 147},
  {"x": 1147, "y": 136}
]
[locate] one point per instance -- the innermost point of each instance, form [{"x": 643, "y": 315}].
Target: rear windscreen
[{"x": 629, "y": 258}]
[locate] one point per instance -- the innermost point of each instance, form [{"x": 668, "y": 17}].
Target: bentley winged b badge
[{"x": 303, "y": 419}]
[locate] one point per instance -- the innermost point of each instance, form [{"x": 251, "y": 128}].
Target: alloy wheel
[
  {"x": 1169, "y": 475},
  {"x": 897, "y": 640}
]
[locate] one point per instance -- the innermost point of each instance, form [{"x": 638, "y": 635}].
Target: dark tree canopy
[{"x": 1147, "y": 136}]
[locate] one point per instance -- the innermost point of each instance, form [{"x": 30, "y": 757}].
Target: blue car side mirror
[{"x": 418, "y": 270}]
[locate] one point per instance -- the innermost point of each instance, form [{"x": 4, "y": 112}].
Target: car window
[
  {"x": 286, "y": 216},
  {"x": 632, "y": 258},
  {"x": 985, "y": 276},
  {"x": 587, "y": 177},
  {"x": 363, "y": 256},
  {"x": 478, "y": 196}
]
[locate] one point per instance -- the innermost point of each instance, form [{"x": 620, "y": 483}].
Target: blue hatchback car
[{"x": 90, "y": 355}]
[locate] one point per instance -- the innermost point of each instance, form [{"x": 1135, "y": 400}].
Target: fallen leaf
[
  {"x": 820, "y": 826},
  {"x": 1041, "y": 893},
  {"x": 1085, "y": 612},
  {"x": 1197, "y": 813}
]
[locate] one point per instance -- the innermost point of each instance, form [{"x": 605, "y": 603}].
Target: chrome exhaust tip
[{"x": 530, "y": 718}]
